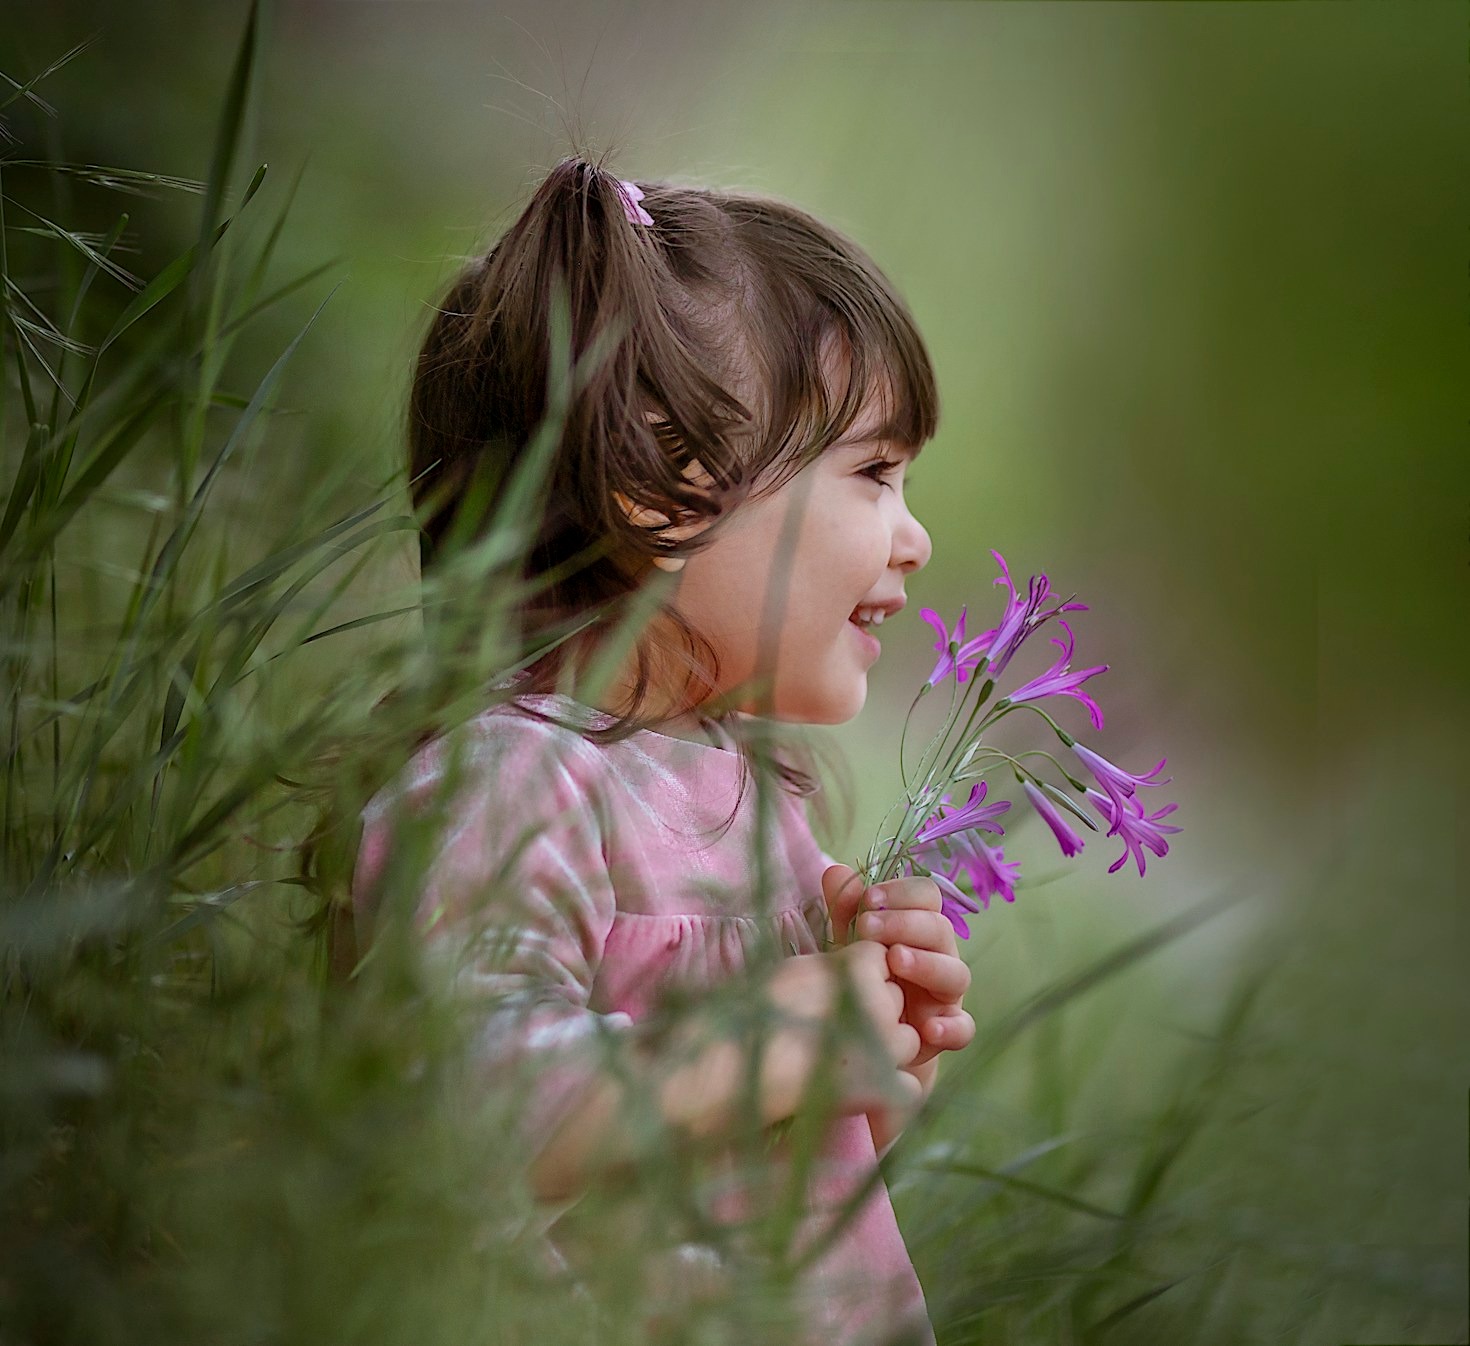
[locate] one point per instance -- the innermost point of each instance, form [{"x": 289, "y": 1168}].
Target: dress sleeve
[{"x": 514, "y": 902}]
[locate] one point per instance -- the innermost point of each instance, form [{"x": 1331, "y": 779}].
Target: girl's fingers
[
  {"x": 918, "y": 929},
  {"x": 872, "y": 980},
  {"x": 842, "y": 889},
  {"x": 943, "y": 975},
  {"x": 919, "y": 894},
  {"x": 953, "y": 1031},
  {"x": 903, "y": 1044},
  {"x": 892, "y": 994}
]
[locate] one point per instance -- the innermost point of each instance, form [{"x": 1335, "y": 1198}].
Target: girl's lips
[{"x": 869, "y": 640}]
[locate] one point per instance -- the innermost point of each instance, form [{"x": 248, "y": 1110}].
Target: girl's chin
[{"x": 843, "y": 700}]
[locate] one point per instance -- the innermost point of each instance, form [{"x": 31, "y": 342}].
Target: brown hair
[{"x": 715, "y": 332}]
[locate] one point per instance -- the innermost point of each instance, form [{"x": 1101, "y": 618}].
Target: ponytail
[{"x": 641, "y": 410}]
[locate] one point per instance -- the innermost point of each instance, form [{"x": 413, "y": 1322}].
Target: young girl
[{"x": 748, "y": 391}]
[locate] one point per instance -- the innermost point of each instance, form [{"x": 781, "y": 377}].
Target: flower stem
[
  {"x": 1004, "y": 708},
  {"x": 943, "y": 733},
  {"x": 922, "y": 803},
  {"x": 903, "y": 737},
  {"x": 985, "y": 691},
  {"x": 947, "y": 758}
]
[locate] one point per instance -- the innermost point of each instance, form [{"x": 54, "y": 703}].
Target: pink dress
[{"x": 626, "y": 890}]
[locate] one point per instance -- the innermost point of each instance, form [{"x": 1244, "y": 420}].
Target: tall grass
[{"x": 209, "y": 1133}]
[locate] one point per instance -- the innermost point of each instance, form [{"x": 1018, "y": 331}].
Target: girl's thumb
[{"x": 842, "y": 890}]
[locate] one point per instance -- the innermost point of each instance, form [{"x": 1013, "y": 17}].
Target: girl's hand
[
  {"x": 904, "y": 915},
  {"x": 864, "y": 1071},
  {"x": 700, "y": 1085},
  {"x": 806, "y": 989}
]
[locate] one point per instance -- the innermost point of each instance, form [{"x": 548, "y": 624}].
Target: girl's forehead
[
  {"x": 876, "y": 424},
  {"x": 881, "y": 417}
]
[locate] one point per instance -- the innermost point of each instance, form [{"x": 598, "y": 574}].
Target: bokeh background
[{"x": 1194, "y": 280}]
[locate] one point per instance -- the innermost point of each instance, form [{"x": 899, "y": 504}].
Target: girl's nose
[{"x": 911, "y": 545}]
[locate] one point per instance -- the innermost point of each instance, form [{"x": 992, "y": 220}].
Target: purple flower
[
  {"x": 955, "y": 656},
  {"x": 955, "y": 904},
  {"x": 1117, "y": 783},
  {"x": 970, "y": 815},
  {"x": 1060, "y": 680},
  {"x": 1022, "y": 616},
  {"x": 986, "y": 866},
  {"x": 1137, "y": 828},
  {"x": 1067, "y": 839}
]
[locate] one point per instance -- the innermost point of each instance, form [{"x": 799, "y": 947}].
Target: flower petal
[{"x": 1066, "y": 837}]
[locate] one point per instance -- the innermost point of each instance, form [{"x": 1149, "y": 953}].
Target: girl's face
[{"x": 776, "y": 589}]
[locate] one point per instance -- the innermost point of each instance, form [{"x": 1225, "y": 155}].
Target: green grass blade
[
  {"x": 285, "y": 291},
  {"x": 1104, "y": 1325},
  {"x": 133, "y": 181},
  {"x": 79, "y": 299},
  {"x": 175, "y": 273},
  {"x": 99, "y": 468},
  {"x": 1095, "y": 974},
  {"x": 81, "y": 244},
  {"x": 256, "y": 278},
  {"x": 231, "y": 126},
  {"x": 970, "y": 1169},
  {"x": 25, "y": 90},
  {"x": 168, "y": 556},
  {"x": 24, "y": 484},
  {"x": 280, "y": 561}
]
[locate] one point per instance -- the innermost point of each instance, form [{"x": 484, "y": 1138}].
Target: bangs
[
  {"x": 830, "y": 334},
  {"x": 872, "y": 368},
  {"x": 836, "y": 379}
]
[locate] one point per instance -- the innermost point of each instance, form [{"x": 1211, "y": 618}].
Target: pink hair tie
[{"x": 631, "y": 194}]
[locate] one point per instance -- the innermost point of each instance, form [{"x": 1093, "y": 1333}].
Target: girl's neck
[{"x": 658, "y": 708}]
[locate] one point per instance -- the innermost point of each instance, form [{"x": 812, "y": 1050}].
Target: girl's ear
[{"x": 640, "y": 516}]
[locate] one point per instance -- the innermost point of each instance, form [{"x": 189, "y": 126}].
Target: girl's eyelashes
[{"x": 879, "y": 469}]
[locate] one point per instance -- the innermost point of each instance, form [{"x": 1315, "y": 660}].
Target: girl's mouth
[{"x": 869, "y": 640}]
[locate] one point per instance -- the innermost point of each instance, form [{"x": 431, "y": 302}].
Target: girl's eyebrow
[
  {"x": 888, "y": 442},
  {"x": 886, "y": 434}
]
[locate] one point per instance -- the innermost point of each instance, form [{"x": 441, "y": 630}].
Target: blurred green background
[{"x": 1194, "y": 280}]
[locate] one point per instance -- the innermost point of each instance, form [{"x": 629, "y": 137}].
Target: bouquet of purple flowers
[{"x": 936, "y": 838}]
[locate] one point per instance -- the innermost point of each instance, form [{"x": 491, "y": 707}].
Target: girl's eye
[{"x": 878, "y": 469}]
